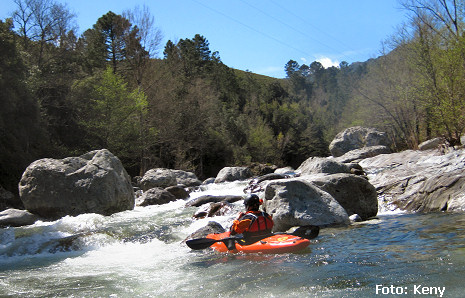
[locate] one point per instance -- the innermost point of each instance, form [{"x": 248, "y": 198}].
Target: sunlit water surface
[{"x": 140, "y": 253}]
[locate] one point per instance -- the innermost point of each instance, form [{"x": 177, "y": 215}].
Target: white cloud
[
  {"x": 303, "y": 60},
  {"x": 327, "y": 62}
]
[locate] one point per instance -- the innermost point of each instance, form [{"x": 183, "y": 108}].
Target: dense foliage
[{"x": 63, "y": 95}]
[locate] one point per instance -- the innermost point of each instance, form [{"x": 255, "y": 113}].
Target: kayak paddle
[
  {"x": 202, "y": 243},
  {"x": 308, "y": 232}
]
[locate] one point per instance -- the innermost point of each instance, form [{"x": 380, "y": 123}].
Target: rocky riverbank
[{"x": 322, "y": 191}]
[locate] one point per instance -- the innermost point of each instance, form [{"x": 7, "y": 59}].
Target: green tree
[
  {"x": 21, "y": 136},
  {"x": 438, "y": 55},
  {"x": 115, "y": 117},
  {"x": 113, "y": 39}
]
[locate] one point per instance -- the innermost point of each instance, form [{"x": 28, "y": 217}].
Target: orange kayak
[{"x": 278, "y": 243}]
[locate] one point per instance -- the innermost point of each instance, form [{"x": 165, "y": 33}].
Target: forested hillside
[{"x": 63, "y": 94}]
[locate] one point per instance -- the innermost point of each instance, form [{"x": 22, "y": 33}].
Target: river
[{"x": 139, "y": 253}]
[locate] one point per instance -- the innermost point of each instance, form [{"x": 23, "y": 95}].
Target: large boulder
[
  {"x": 233, "y": 174},
  {"x": 95, "y": 182},
  {"x": 355, "y": 138},
  {"x": 354, "y": 193},
  {"x": 296, "y": 202},
  {"x": 158, "y": 178},
  {"x": 419, "y": 181},
  {"x": 17, "y": 218}
]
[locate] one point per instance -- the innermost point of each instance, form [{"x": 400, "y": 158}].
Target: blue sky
[{"x": 263, "y": 35}]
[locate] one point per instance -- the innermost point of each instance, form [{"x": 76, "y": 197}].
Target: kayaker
[{"x": 253, "y": 224}]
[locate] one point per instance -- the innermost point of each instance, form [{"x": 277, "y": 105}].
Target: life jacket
[{"x": 261, "y": 224}]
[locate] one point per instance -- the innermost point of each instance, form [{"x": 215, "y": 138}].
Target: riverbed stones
[
  {"x": 355, "y": 138},
  {"x": 95, "y": 182},
  {"x": 296, "y": 202}
]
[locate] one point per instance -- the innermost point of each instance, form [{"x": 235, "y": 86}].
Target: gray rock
[
  {"x": 211, "y": 228},
  {"x": 421, "y": 181},
  {"x": 355, "y": 218},
  {"x": 317, "y": 165},
  {"x": 213, "y": 199},
  {"x": 356, "y": 138},
  {"x": 155, "y": 196},
  {"x": 213, "y": 209},
  {"x": 233, "y": 174},
  {"x": 188, "y": 179},
  {"x": 363, "y": 153},
  {"x": 158, "y": 178},
  {"x": 431, "y": 144},
  {"x": 209, "y": 181},
  {"x": 17, "y": 218},
  {"x": 296, "y": 202},
  {"x": 354, "y": 193},
  {"x": 95, "y": 182},
  {"x": 178, "y": 191}
]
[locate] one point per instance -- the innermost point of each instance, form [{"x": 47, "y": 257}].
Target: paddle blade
[
  {"x": 308, "y": 232},
  {"x": 200, "y": 243}
]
